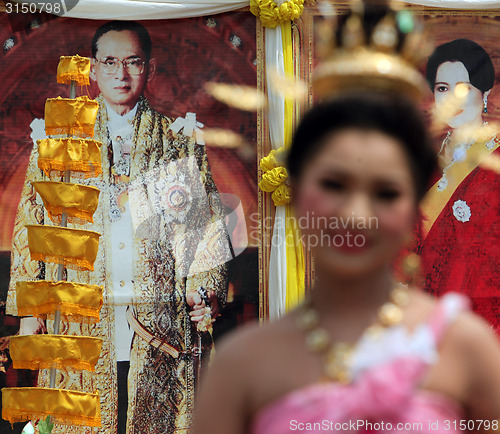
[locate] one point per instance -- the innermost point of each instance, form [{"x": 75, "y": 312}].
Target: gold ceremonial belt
[{"x": 151, "y": 339}]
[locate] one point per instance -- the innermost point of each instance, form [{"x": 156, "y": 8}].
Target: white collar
[{"x": 118, "y": 122}]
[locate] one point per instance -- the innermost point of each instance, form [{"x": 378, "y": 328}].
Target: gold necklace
[{"x": 337, "y": 357}]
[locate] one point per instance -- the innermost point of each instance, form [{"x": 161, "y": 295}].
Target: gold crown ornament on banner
[{"x": 373, "y": 48}]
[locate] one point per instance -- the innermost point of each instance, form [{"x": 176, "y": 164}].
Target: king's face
[{"x": 121, "y": 89}]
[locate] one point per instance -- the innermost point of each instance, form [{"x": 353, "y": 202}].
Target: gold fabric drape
[
  {"x": 70, "y": 116},
  {"x": 73, "y": 68},
  {"x": 78, "y": 201},
  {"x": 55, "y": 351},
  {"x": 77, "y": 302},
  {"x": 77, "y": 155},
  {"x": 64, "y": 406},
  {"x": 74, "y": 248}
]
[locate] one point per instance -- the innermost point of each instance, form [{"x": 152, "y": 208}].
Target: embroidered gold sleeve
[{"x": 29, "y": 212}]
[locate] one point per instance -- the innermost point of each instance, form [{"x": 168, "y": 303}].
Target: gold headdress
[{"x": 375, "y": 48}]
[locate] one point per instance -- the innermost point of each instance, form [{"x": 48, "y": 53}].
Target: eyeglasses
[{"x": 132, "y": 66}]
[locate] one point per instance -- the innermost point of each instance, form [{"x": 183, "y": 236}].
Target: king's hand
[{"x": 203, "y": 312}]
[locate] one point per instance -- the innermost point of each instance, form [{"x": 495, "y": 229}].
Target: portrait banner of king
[{"x": 173, "y": 197}]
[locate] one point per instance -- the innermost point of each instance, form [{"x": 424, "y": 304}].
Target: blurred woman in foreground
[
  {"x": 363, "y": 353},
  {"x": 390, "y": 355}
]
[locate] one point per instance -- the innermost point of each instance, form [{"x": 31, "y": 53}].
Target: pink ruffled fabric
[{"x": 385, "y": 397}]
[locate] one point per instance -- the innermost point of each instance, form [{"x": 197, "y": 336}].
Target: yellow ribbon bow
[
  {"x": 272, "y": 15},
  {"x": 274, "y": 178}
]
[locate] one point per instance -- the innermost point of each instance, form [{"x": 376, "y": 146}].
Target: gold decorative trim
[{"x": 263, "y": 200}]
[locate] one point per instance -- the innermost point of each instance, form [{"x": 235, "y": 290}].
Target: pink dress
[{"x": 384, "y": 395}]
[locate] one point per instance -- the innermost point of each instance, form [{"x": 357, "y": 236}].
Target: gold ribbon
[
  {"x": 271, "y": 14},
  {"x": 295, "y": 265},
  {"x": 78, "y": 302},
  {"x": 55, "y": 351},
  {"x": 274, "y": 178},
  {"x": 65, "y": 406},
  {"x": 77, "y": 155},
  {"x": 78, "y": 201},
  {"x": 74, "y": 248},
  {"x": 274, "y": 159},
  {"x": 73, "y": 68},
  {"x": 70, "y": 116}
]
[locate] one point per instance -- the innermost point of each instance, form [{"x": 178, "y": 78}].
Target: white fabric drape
[
  {"x": 277, "y": 263},
  {"x": 151, "y": 10},
  {"x": 458, "y": 4}
]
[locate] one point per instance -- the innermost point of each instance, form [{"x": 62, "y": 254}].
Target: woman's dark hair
[
  {"x": 388, "y": 114},
  {"x": 475, "y": 59},
  {"x": 120, "y": 26}
]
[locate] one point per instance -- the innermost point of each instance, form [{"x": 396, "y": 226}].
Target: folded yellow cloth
[
  {"x": 77, "y": 155},
  {"x": 65, "y": 406},
  {"x": 79, "y": 202},
  {"x": 73, "y": 68},
  {"x": 274, "y": 181},
  {"x": 77, "y": 302},
  {"x": 74, "y": 248},
  {"x": 55, "y": 351},
  {"x": 70, "y": 116}
]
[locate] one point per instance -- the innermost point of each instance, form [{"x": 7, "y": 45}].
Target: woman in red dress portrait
[{"x": 460, "y": 227}]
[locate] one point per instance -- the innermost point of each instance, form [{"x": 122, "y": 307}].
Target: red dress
[{"x": 460, "y": 232}]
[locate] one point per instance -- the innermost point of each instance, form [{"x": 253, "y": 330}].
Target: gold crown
[{"x": 384, "y": 59}]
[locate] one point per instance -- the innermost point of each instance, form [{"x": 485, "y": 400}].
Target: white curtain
[
  {"x": 151, "y": 10},
  {"x": 277, "y": 262},
  {"x": 169, "y": 9},
  {"x": 458, "y": 4}
]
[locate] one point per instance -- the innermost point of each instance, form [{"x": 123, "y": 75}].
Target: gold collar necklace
[{"x": 337, "y": 357}]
